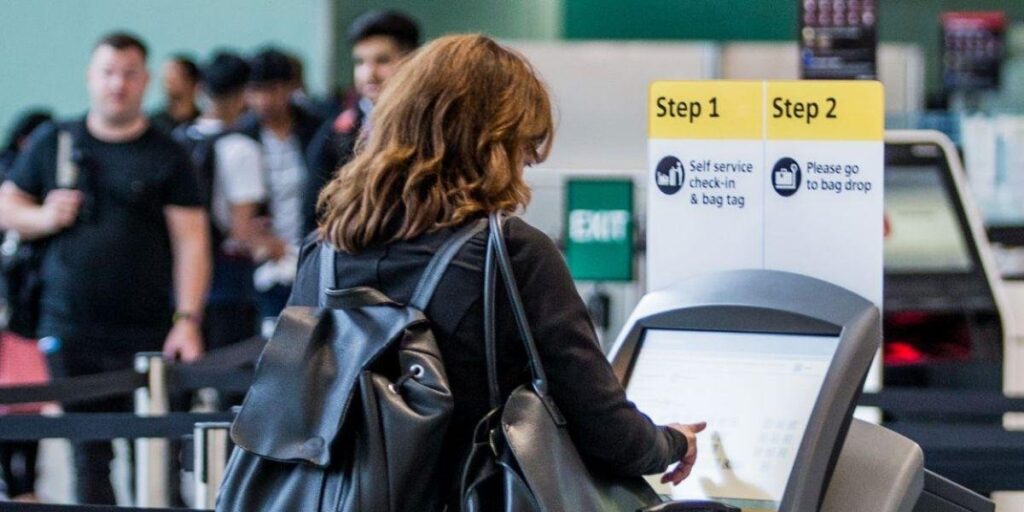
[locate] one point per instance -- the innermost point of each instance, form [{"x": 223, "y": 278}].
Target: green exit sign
[{"x": 599, "y": 229}]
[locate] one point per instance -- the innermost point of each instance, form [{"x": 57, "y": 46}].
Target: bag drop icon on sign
[{"x": 785, "y": 179}]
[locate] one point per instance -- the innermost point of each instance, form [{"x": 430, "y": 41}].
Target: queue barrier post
[
  {"x": 211, "y": 445},
  {"x": 152, "y": 455}
]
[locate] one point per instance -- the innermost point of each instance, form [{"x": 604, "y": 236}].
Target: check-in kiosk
[
  {"x": 949, "y": 343},
  {"x": 943, "y": 315},
  {"x": 774, "y": 362}
]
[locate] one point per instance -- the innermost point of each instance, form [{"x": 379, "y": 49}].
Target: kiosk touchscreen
[
  {"x": 755, "y": 390},
  {"x": 773, "y": 361}
]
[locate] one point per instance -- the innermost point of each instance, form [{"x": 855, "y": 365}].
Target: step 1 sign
[{"x": 774, "y": 175}]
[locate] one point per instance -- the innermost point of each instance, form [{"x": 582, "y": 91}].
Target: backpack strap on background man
[
  {"x": 439, "y": 263},
  {"x": 67, "y": 169}
]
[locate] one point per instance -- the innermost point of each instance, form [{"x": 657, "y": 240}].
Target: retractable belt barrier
[
  {"x": 104, "y": 426},
  {"x": 960, "y": 432},
  {"x": 152, "y": 426},
  {"x": 942, "y": 402},
  {"x": 75, "y": 389},
  {"x": 186, "y": 378},
  {"x": 219, "y": 369},
  {"x": 37, "y": 507}
]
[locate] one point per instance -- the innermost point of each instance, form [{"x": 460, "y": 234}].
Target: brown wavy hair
[{"x": 450, "y": 135}]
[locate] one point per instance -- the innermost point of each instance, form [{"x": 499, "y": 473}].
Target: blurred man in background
[
  {"x": 181, "y": 78},
  {"x": 300, "y": 92},
  {"x": 284, "y": 131},
  {"x": 380, "y": 40},
  {"x": 230, "y": 169},
  {"x": 127, "y": 258}
]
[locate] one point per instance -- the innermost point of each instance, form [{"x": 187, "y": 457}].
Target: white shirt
[
  {"x": 286, "y": 181},
  {"x": 238, "y": 172}
]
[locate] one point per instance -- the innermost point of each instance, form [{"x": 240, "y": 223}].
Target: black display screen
[{"x": 972, "y": 50}]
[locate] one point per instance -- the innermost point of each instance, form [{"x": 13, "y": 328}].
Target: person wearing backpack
[
  {"x": 127, "y": 260},
  {"x": 453, "y": 130},
  {"x": 229, "y": 166}
]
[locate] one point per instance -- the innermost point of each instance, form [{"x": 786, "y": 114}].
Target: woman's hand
[{"x": 682, "y": 470}]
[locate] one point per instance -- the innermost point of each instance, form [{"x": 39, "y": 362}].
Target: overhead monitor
[{"x": 755, "y": 390}]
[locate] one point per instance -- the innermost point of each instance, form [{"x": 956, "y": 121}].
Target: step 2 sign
[{"x": 775, "y": 175}]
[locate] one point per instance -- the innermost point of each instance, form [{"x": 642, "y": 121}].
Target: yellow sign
[
  {"x": 706, "y": 110},
  {"x": 825, "y": 110},
  {"x": 784, "y": 110}
]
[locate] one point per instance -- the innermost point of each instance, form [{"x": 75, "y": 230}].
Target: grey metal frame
[{"x": 774, "y": 302}]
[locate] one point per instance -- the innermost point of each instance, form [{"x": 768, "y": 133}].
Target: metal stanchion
[
  {"x": 151, "y": 455},
  {"x": 211, "y": 444}
]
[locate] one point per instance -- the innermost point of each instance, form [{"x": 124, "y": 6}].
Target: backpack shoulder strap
[
  {"x": 202, "y": 151},
  {"x": 439, "y": 263},
  {"x": 67, "y": 169},
  {"x": 328, "y": 281}
]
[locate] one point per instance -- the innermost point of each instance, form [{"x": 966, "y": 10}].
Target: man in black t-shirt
[{"x": 127, "y": 258}]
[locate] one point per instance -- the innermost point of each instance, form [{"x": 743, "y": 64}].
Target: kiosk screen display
[
  {"x": 924, "y": 234},
  {"x": 756, "y": 391}
]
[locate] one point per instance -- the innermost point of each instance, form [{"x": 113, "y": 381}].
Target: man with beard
[{"x": 181, "y": 79}]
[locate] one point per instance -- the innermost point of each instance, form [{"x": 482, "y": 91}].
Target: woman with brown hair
[{"x": 452, "y": 132}]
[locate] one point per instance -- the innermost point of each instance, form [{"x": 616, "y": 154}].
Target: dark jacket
[
  {"x": 305, "y": 128},
  {"x": 306, "y": 125},
  {"x": 611, "y": 434},
  {"x": 163, "y": 121},
  {"x": 332, "y": 146}
]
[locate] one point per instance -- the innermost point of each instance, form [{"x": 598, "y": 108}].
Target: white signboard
[
  {"x": 774, "y": 175},
  {"x": 783, "y": 175}
]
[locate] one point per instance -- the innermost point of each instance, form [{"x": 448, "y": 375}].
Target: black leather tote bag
[
  {"x": 349, "y": 406},
  {"x": 522, "y": 458}
]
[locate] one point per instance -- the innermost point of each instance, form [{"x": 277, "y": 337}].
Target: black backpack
[
  {"x": 21, "y": 264},
  {"x": 201, "y": 149},
  {"x": 350, "y": 404}
]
